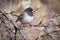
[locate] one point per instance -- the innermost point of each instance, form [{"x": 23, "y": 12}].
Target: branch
[{"x": 9, "y": 17}]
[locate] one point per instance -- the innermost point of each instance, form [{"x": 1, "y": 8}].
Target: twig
[
  {"x": 9, "y": 17},
  {"x": 6, "y": 26}
]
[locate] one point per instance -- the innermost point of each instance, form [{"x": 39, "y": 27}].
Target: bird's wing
[{"x": 20, "y": 17}]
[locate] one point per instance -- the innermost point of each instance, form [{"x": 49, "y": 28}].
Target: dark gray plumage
[{"x": 27, "y": 16}]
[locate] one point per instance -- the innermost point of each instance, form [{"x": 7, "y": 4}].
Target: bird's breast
[{"x": 27, "y": 19}]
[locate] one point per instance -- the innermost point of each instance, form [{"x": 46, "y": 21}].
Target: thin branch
[{"x": 9, "y": 17}]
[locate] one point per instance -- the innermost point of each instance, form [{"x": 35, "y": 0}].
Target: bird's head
[{"x": 29, "y": 9}]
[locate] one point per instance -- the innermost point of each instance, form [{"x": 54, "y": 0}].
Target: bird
[{"x": 26, "y": 16}]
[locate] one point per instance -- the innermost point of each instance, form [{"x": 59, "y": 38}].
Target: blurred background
[{"x": 46, "y": 10}]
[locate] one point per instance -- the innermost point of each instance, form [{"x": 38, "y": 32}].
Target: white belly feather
[{"x": 27, "y": 19}]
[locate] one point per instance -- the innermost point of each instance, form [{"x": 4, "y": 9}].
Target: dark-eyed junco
[{"x": 26, "y": 16}]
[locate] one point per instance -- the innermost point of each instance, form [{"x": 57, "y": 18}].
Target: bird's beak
[{"x": 34, "y": 11}]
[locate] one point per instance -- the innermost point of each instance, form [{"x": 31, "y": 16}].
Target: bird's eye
[{"x": 30, "y": 10}]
